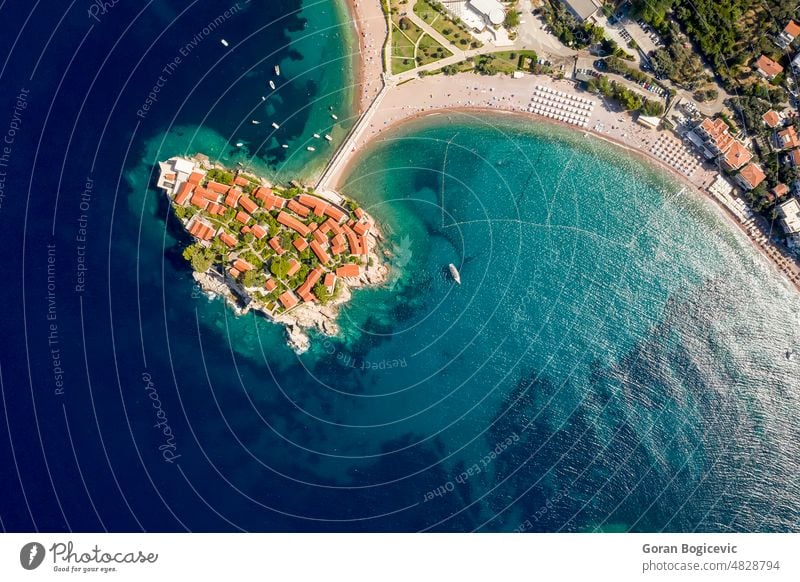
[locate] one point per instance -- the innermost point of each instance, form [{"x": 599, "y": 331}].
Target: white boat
[
  {"x": 454, "y": 273},
  {"x": 329, "y": 138},
  {"x": 333, "y": 115},
  {"x": 285, "y": 146},
  {"x": 224, "y": 42},
  {"x": 311, "y": 148},
  {"x": 278, "y": 70},
  {"x": 275, "y": 125},
  {"x": 263, "y": 98},
  {"x": 255, "y": 122},
  {"x": 239, "y": 144},
  {"x": 316, "y": 135},
  {"x": 271, "y": 85}
]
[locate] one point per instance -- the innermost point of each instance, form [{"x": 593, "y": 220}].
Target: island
[{"x": 290, "y": 253}]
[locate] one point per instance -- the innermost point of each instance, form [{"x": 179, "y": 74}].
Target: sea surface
[{"x": 615, "y": 358}]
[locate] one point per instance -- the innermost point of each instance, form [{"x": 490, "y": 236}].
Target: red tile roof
[
  {"x": 361, "y": 227},
  {"x": 780, "y": 190},
  {"x": 276, "y": 245},
  {"x": 337, "y": 244},
  {"x": 297, "y": 208},
  {"x": 270, "y": 284},
  {"x": 215, "y": 208},
  {"x": 294, "y": 266},
  {"x": 248, "y": 204},
  {"x": 300, "y": 244},
  {"x": 330, "y": 224},
  {"x": 184, "y": 192},
  {"x": 334, "y": 213},
  {"x": 304, "y": 290},
  {"x": 737, "y": 155},
  {"x": 262, "y": 192},
  {"x": 201, "y": 230},
  {"x": 330, "y": 281},
  {"x": 348, "y": 270},
  {"x": 359, "y": 213},
  {"x": 198, "y": 200},
  {"x": 227, "y": 239},
  {"x": 795, "y": 153},
  {"x": 241, "y": 181},
  {"x": 352, "y": 240},
  {"x": 792, "y": 29},
  {"x": 217, "y": 187},
  {"x": 320, "y": 237},
  {"x": 195, "y": 177},
  {"x": 768, "y": 67},
  {"x": 288, "y": 299},
  {"x": 788, "y": 138},
  {"x": 242, "y": 265},
  {"x": 259, "y": 231},
  {"x": 232, "y": 198},
  {"x": 771, "y": 118},
  {"x": 320, "y": 252},
  {"x": 243, "y": 217},
  {"x": 293, "y": 223},
  {"x": 234, "y": 272},
  {"x": 753, "y": 175}
]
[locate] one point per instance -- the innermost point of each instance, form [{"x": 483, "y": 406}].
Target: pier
[{"x": 338, "y": 162}]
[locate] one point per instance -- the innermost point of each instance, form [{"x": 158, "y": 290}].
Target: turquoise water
[
  {"x": 615, "y": 342},
  {"x": 614, "y": 358}
]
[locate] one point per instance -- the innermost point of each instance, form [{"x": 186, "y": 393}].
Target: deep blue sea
[{"x": 615, "y": 359}]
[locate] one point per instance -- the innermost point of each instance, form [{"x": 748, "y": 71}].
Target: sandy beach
[
  {"x": 369, "y": 25},
  {"x": 467, "y": 92}
]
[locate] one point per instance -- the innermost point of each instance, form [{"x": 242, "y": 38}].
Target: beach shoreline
[
  {"x": 369, "y": 30},
  {"x": 468, "y": 93}
]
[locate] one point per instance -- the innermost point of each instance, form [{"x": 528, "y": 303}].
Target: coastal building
[
  {"x": 288, "y": 299},
  {"x": 582, "y": 9},
  {"x": 788, "y": 34},
  {"x": 789, "y": 213},
  {"x": 787, "y": 139},
  {"x": 768, "y": 68},
  {"x": 348, "y": 270},
  {"x": 714, "y": 135},
  {"x": 751, "y": 176},
  {"x": 736, "y": 156},
  {"x": 794, "y": 157},
  {"x": 772, "y": 119}
]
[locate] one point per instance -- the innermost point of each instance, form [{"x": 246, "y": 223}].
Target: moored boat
[{"x": 454, "y": 273}]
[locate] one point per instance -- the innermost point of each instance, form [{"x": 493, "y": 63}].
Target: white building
[
  {"x": 790, "y": 218},
  {"x": 491, "y": 11},
  {"x": 582, "y": 9}
]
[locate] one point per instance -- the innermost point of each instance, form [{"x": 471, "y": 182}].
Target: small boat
[
  {"x": 224, "y": 42},
  {"x": 263, "y": 98},
  {"x": 278, "y": 70},
  {"x": 272, "y": 85},
  {"x": 329, "y": 138},
  {"x": 311, "y": 148},
  {"x": 285, "y": 146},
  {"x": 454, "y": 272},
  {"x": 255, "y": 122},
  {"x": 333, "y": 115},
  {"x": 275, "y": 125},
  {"x": 316, "y": 136},
  {"x": 239, "y": 144},
  {"x": 789, "y": 354}
]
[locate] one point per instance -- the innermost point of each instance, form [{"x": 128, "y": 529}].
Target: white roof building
[
  {"x": 790, "y": 216},
  {"x": 582, "y": 9},
  {"x": 491, "y": 10}
]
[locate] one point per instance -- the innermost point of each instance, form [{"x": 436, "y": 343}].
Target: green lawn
[
  {"x": 429, "y": 51},
  {"x": 444, "y": 24}
]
